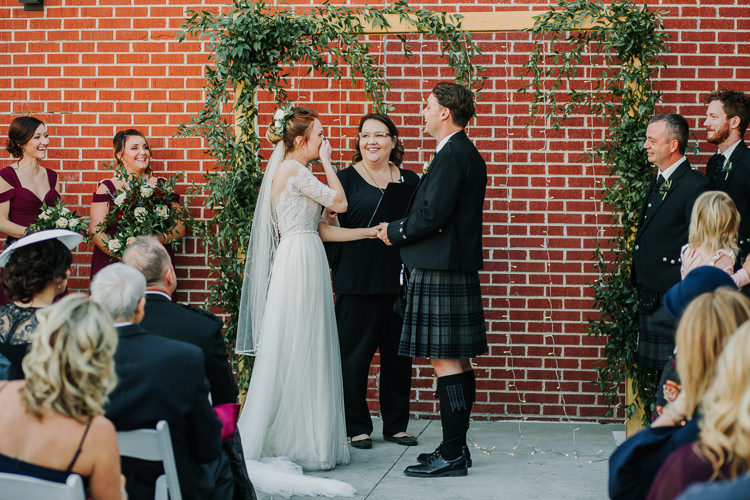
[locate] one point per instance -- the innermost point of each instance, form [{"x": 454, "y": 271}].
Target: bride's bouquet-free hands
[
  {"x": 58, "y": 216},
  {"x": 141, "y": 209}
]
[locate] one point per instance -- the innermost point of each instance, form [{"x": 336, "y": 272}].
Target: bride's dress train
[{"x": 294, "y": 411}]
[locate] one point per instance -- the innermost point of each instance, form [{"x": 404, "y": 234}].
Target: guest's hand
[
  {"x": 746, "y": 264},
  {"x": 330, "y": 217},
  {"x": 383, "y": 233}
]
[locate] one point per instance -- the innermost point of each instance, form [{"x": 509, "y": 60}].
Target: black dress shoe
[
  {"x": 438, "y": 466},
  {"x": 423, "y": 458},
  {"x": 362, "y": 444}
]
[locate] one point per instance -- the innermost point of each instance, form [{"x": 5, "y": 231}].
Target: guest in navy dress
[
  {"x": 366, "y": 277},
  {"x": 56, "y": 414},
  {"x": 131, "y": 151},
  {"x": 25, "y": 184}
]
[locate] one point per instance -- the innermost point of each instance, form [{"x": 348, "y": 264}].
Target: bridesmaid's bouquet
[
  {"x": 141, "y": 209},
  {"x": 58, "y": 216}
]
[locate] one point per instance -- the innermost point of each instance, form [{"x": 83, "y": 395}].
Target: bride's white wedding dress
[{"x": 294, "y": 406}]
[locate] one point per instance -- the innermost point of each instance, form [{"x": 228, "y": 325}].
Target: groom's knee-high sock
[
  {"x": 453, "y": 414},
  {"x": 470, "y": 393}
]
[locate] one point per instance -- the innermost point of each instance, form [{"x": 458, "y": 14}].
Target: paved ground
[{"x": 512, "y": 460}]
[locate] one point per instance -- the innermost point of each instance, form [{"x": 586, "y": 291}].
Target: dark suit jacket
[
  {"x": 200, "y": 328},
  {"x": 736, "y": 183},
  {"x": 656, "y": 256},
  {"x": 160, "y": 378},
  {"x": 442, "y": 229}
]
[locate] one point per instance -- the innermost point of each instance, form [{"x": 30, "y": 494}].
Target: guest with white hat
[{"x": 35, "y": 270}]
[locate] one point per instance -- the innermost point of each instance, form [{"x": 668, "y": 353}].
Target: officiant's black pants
[{"x": 367, "y": 323}]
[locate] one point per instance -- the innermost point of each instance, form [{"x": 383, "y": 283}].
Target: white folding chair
[
  {"x": 150, "y": 444},
  {"x": 15, "y": 486}
]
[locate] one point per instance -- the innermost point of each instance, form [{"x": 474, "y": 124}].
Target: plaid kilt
[{"x": 444, "y": 318}]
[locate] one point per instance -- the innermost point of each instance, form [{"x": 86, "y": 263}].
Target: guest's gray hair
[
  {"x": 148, "y": 256},
  {"x": 118, "y": 288}
]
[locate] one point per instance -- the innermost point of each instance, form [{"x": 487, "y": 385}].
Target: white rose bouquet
[
  {"x": 59, "y": 217},
  {"x": 141, "y": 208}
]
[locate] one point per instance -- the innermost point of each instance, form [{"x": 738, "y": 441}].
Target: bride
[{"x": 294, "y": 407}]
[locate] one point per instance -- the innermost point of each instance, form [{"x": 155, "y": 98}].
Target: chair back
[
  {"x": 156, "y": 445},
  {"x": 15, "y": 486}
]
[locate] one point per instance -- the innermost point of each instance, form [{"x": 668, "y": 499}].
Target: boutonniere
[
  {"x": 427, "y": 164},
  {"x": 727, "y": 168},
  {"x": 664, "y": 189}
]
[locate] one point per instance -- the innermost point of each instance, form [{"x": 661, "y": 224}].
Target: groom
[{"x": 440, "y": 240}]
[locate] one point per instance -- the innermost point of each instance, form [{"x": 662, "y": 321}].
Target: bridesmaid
[
  {"x": 131, "y": 151},
  {"x": 25, "y": 184}
]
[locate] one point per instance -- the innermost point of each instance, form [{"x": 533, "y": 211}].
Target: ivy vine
[
  {"x": 623, "y": 50},
  {"x": 256, "y": 46}
]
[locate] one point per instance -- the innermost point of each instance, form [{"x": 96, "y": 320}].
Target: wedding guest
[
  {"x": 25, "y": 184},
  {"x": 723, "y": 450},
  {"x": 133, "y": 153},
  {"x": 35, "y": 271},
  {"x": 707, "y": 324},
  {"x": 366, "y": 282},
  {"x": 440, "y": 239},
  {"x": 160, "y": 379},
  {"x": 53, "y": 423}
]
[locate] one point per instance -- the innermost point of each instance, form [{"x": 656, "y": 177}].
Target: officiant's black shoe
[
  {"x": 423, "y": 458},
  {"x": 438, "y": 466},
  {"x": 362, "y": 444}
]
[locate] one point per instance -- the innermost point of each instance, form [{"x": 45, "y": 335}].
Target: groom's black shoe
[
  {"x": 423, "y": 458},
  {"x": 438, "y": 466}
]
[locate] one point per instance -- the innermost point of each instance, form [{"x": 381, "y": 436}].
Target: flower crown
[{"x": 280, "y": 117}]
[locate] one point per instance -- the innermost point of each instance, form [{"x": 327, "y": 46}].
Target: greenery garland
[
  {"x": 255, "y": 46},
  {"x": 625, "y": 43}
]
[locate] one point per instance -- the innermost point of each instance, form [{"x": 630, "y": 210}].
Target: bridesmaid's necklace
[{"x": 390, "y": 174}]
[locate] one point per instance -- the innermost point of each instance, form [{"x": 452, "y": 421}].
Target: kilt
[{"x": 444, "y": 318}]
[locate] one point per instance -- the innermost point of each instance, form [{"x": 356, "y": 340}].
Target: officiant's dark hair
[
  {"x": 397, "y": 154},
  {"x": 458, "y": 99},
  {"x": 300, "y": 123}
]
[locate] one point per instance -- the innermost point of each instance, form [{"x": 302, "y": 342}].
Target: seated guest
[
  {"x": 53, "y": 423},
  {"x": 723, "y": 450},
  {"x": 736, "y": 489},
  {"x": 188, "y": 324},
  {"x": 160, "y": 379},
  {"x": 35, "y": 271},
  {"x": 706, "y": 324}
]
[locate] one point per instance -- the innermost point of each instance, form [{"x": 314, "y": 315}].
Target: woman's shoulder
[
  {"x": 8, "y": 174},
  {"x": 410, "y": 177}
]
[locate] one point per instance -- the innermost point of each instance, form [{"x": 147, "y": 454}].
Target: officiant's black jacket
[
  {"x": 163, "y": 379},
  {"x": 443, "y": 227},
  {"x": 659, "y": 239},
  {"x": 200, "y": 328},
  {"x": 736, "y": 183}
]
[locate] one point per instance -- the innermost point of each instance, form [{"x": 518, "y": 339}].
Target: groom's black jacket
[{"x": 442, "y": 229}]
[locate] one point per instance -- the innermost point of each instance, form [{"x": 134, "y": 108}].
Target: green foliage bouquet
[
  {"x": 140, "y": 208},
  {"x": 57, "y": 216}
]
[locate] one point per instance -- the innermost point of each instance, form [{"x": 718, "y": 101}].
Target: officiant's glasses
[{"x": 377, "y": 136}]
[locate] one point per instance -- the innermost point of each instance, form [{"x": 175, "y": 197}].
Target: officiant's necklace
[{"x": 390, "y": 174}]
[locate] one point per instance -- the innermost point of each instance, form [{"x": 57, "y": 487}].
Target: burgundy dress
[
  {"x": 99, "y": 259},
  {"x": 25, "y": 206}
]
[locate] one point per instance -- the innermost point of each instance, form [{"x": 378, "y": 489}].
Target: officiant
[{"x": 366, "y": 280}]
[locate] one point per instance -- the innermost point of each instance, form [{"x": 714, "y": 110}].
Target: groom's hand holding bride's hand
[{"x": 382, "y": 229}]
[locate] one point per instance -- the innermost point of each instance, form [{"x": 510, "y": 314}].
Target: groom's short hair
[{"x": 458, "y": 99}]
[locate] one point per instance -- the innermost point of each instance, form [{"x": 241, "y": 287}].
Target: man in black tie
[
  {"x": 662, "y": 231},
  {"x": 729, "y": 169}
]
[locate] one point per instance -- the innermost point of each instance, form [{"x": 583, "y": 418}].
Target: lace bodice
[
  {"x": 299, "y": 205},
  {"x": 17, "y": 323}
]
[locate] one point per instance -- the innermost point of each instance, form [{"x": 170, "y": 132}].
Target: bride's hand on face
[{"x": 325, "y": 152}]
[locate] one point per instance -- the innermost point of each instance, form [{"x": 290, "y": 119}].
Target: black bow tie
[{"x": 717, "y": 161}]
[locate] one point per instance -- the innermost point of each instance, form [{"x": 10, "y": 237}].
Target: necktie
[
  {"x": 715, "y": 165},
  {"x": 655, "y": 196}
]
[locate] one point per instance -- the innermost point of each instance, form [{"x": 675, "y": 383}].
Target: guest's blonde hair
[
  {"x": 714, "y": 222},
  {"x": 725, "y": 429},
  {"x": 70, "y": 367},
  {"x": 704, "y": 328}
]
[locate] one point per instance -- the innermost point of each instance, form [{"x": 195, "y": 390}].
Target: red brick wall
[{"x": 91, "y": 67}]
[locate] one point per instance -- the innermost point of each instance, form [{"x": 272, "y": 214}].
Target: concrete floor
[{"x": 512, "y": 460}]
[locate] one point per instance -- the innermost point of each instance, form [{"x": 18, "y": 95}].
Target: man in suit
[
  {"x": 728, "y": 170},
  {"x": 160, "y": 379},
  {"x": 180, "y": 322},
  {"x": 440, "y": 240},
  {"x": 662, "y": 231}
]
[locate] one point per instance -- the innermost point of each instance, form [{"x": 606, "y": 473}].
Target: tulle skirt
[{"x": 295, "y": 405}]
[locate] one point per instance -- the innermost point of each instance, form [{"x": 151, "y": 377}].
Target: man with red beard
[{"x": 729, "y": 169}]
